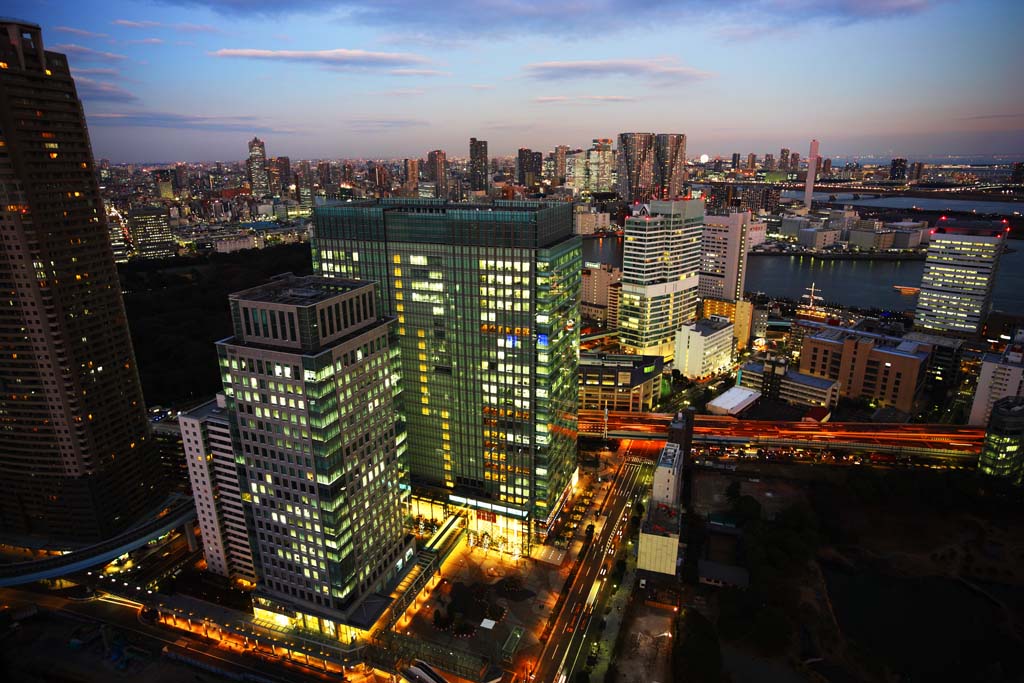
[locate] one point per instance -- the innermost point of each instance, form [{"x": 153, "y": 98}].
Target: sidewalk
[{"x": 613, "y": 613}]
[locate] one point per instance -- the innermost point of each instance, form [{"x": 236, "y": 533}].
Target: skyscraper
[
  {"x": 284, "y": 172},
  {"x": 751, "y": 161},
  {"x": 660, "y": 266},
  {"x": 259, "y": 181},
  {"x": 898, "y": 170},
  {"x": 635, "y": 159},
  {"x": 411, "y": 177},
  {"x": 723, "y": 263},
  {"x": 735, "y": 161},
  {"x": 560, "y": 152},
  {"x": 794, "y": 162},
  {"x": 784, "y": 159},
  {"x": 486, "y": 298},
  {"x": 812, "y": 171},
  {"x": 150, "y": 230},
  {"x": 75, "y": 449},
  {"x": 769, "y": 162},
  {"x": 959, "y": 272},
  {"x": 310, "y": 379},
  {"x": 478, "y": 165},
  {"x": 437, "y": 170},
  {"x": 1002, "y": 455},
  {"x": 595, "y": 171},
  {"x": 670, "y": 160}
]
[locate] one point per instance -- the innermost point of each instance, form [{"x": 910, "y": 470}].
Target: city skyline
[{"x": 187, "y": 80}]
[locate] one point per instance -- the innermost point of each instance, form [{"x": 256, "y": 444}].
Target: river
[
  {"x": 924, "y": 203},
  {"x": 849, "y": 283}
]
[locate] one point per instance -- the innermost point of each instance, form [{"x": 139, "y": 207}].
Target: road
[
  {"x": 566, "y": 644},
  {"x": 949, "y": 439}
]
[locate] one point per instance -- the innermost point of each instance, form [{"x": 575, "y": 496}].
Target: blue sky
[{"x": 193, "y": 80}]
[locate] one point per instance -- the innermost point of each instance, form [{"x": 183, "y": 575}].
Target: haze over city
[{"x": 187, "y": 80}]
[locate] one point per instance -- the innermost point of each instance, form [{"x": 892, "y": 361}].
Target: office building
[
  {"x": 784, "y": 159},
  {"x": 723, "y": 259},
  {"x": 774, "y": 379},
  {"x": 561, "y": 151},
  {"x": 588, "y": 222},
  {"x": 1002, "y": 455},
  {"x": 959, "y": 273},
  {"x": 478, "y": 165},
  {"x": 310, "y": 380},
  {"x": 658, "y": 546},
  {"x": 213, "y": 472},
  {"x": 595, "y": 284},
  {"x": 75, "y": 448},
  {"x": 284, "y": 174},
  {"x": 794, "y": 163},
  {"x": 889, "y": 371},
  {"x": 722, "y": 198},
  {"x": 769, "y": 162},
  {"x": 740, "y": 313},
  {"x": 898, "y": 170},
  {"x": 660, "y": 267},
  {"x": 486, "y": 298},
  {"x": 437, "y": 171},
  {"x": 619, "y": 382},
  {"x": 812, "y": 172},
  {"x": 670, "y": 165},
  {"x": 529, "y": 167},
  {"x": 704, "y": 348},
  {"x": 735, "y": 161},
  {"x": 635, "y": 161},
  {"x": 411, "y": 177},
  {"x": 259, "y": 181},
  {"x": 150, "y": 229},
  {"x": 1001, "y": 375},
  {"x": 751, "y": 161},
  {"x": 595, "y": 170}
]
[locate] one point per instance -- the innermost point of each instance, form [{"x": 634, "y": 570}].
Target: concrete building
[
  {"x": 1002, "y": 455},
  {"x": 757, "y": 233},
  {"x": 310, "y": 380},
  {"x": 723, "y": 262},
  {"x": 704, "y": 348},
  {"x": 593, "y": 170},
  {"x": 667, "y": 484},
  {"x": 669, "y": 164},
  {"x": 478, "y": 176},
  {"x": 959, "y": 273},
  {"x": 595, "y": 285},
  {"x": 660, "y": 267},
  {"x": 588, "y": 222},
  {"x": 740, "y": 314},
  {"x": 791, "y": 226},
  {"x": 486, "y": 299},
  {"x": 871, "y": 240},
  {"x": 658, "y": 550},
  {"x": 636, "y": 162},
  {"x": 213, "y": 473},
  {"x": 889, "y": 371},
  {"x": 76, "y": 452},
  {"x": 734, "y": 401},
  {"x": 150, "y": 230},
  {"x": 817, "y": 238},
  {"x": 1001, "y": 375},
  {"x": 776, "y": 380},
  {"x": 620, "y": 382}
]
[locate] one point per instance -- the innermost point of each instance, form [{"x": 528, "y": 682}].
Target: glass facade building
[
  {"x": 1002, "y": 455},
  {"x": 486, "y": 299}
]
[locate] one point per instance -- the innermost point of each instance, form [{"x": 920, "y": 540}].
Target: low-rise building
[
  {"x": 776, "y": 380},
  {"x": 589, "y": 222},
  {"x": 734, "y": 401},
  {"x": 658, "y": 550},
  {"x": 817, "y": 238},
  {"x": 704, "y": 348},
  {"x": 871, "y": 240},
  {"x": 740, "y": 314},
  {"x": 619, "y": 382},
  {"x": 1001, "y": 375}
]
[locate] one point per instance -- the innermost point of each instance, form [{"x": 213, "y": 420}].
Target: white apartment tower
[
  {"x": 661, "y": 262},
  {"x": 723, "y": 261},
  {"x": 1001, "y": 375}
]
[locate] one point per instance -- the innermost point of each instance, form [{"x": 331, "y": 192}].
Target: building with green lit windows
[
  {"x": 310, "y": 379},
  {"x": 1002, "y": 454},
  {"x": 486, "y": 299}
]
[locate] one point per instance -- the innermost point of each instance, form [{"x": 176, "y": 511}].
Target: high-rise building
[
  {"x": 898, "y": 170},
  {"x": 916, "y": 171},
  {"x": 751, "y": 161},
  {"x": 213, "y": 473},
  {"x": 323, "y": 174},
  {"x": 735, "y": 161},
  {"x": 704, "y": 347},
  {"x": 150, "y": 229},
  {"x": 769, "y": 162},
  {"x": 784, "y": 159},
  {"x": 794, "y": 162},
  {"x": 723, "y": 260},
  {"x": 76, "y": 453},
  {"x": 596, "y": 283},
  {"x": 486, "y": 298},
  {"x": 524, "y": 163},
  {"x": 812, "y": 172},
  {"x": 959, "y": 273},
  {"x": 1001, "y": 375},
  {"x": 635, "y": 159},
  {"x": 437, "y": 170},
  {"x": 310, "y": 379},
  {"x": 1002, "y": 454},
  {"x": 670, "y": 165},
  {"x": 478, "y": 165},
  {"x": 560, "y": 153},
  {"x": 411, "y": 177},
  {"x": 284, "y": 172},
  {"x": 259, "y": 181},
  {"x": 596, "y": 170},
  {"x": 660, "y": 267}
]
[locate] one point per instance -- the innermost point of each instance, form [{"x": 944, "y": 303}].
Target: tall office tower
[
  {"x": 636, "y": 166},
  {"x": 323, "y": 174},
  {"x": 1001, "y": 375},
  {"x": 917, "y": 171},
  {"x": 959, "y": 272},
  {"x": 1002, "y": 454},
  {"x": 660, "y": 267},
  {"x": 150, "y": 229},
  {"x": 723, "y": 261},
  {"x": 769, "y": 162},
  {"x": 670, "y": 165},
  {"x": 560, "y": 174},
  {"x": 163, "y": 181},
  {"x": 348, "y": 173},
  {"x": 181, "y": 177},
  {"x": 826, "y": 168},
  {"x": 411, "y": 177},
  {"x": 213, "y": 473},
  {"x": 751, "y": 161},
  {"x": 284, "y": 173},
  {"x": 488, "y": 324},
  {"x": 523, "y": 160},
  {"x": 76, "y": 453},
  {"x": 437, "y": 170},
  {"x": 595, "y": 172},
  {"x": 735, "y": 161},
  {"x": 812, "y": 171},
  {"x": 537, "y": 165},
  {"x": 898, "y": 170},
  {"x": 794, "y": 162},
  {"x": 305, "y": 174},
  {"x": 274, "y": 176},
  {"x": 784, "y": 159},
  {"x": 478, "y": 165},
  {"x": 310, "y": 379},
  {"x": 259, "y": 181}
]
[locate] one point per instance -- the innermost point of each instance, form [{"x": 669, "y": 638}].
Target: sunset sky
[{"x": 193, "y": 80}]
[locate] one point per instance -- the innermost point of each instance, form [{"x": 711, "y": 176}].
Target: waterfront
[
  {"x": 848, "y": 283},
  {"x": 910, "y": 203}
]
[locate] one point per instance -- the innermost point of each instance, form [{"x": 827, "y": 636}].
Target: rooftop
[
  {"x": 662, "y": 520},
  {"x": 709, "y": 326},
  {"x": 910, "y": 348},
  {"x": 292, "y": 290},
  {"x": 735, "y": 399},
  {"x": 669, "y": 455}
]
